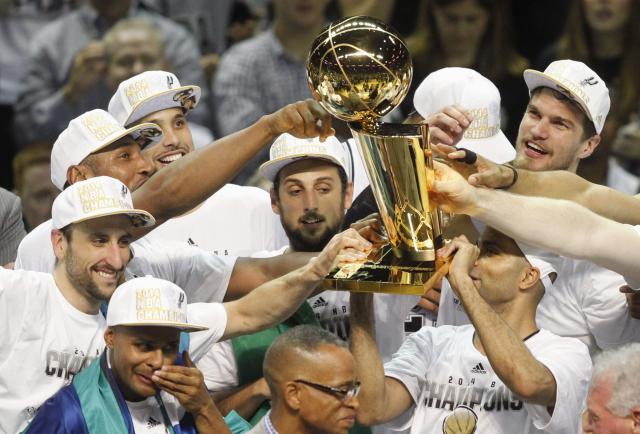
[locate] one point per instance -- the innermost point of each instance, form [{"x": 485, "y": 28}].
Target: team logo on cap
[
  {"x": 186, "y": 98},
  {"x": 124, "y": 191},
  {"x": 149, "y": 133},
  {"x": 170, "y": 82},
  {"x": 591, "y": 81}
]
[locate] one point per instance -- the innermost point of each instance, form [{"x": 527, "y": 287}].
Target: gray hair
[
  {"x": 621, "y": 367},
  {"x": 138, "y": 23}
]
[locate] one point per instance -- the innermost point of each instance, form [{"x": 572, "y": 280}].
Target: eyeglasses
[{"x": 344, "y": 395}]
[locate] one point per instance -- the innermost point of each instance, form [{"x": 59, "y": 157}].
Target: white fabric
[
  {"x": 236, "y": 221},
  {"x": 619, "y": 179},
  {"x": 584, "y": 303},
  {"x": 149, "y": 92},
  {"x": 203, "y": 277},
  {"x": 441, "y": 369},
  {"x": 96, "y": 197},
  {"x": 146, "y": 415},
  {"x": 88, "y": 133},
  {"x": 46, "y": 341}
]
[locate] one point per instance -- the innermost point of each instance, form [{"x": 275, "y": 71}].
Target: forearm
[
  {"x": 209, "y": 420},
  {"x": 509, "y": 357},
  {"x": 568, "y": 228},
  {"x": 184, "y": 184},
  {"x": 600, "y": 199},
  {"x": 270, "y": 303},
  {"x": 245, "y": 401},
  {"x": 249, "y": 273}
]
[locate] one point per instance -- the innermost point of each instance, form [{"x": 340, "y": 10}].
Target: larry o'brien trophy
[{"x": 360, "y": 69}]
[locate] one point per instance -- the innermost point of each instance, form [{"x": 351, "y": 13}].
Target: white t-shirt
[
  {"x": 235, "y": 221},
  {"x": 442, "y": 370},
  {"x": 203, "y": 277},
  {"x": 584, "y": 303},
  {"x": 46, "y": 341},
  {"x": 332, "y": 311}
]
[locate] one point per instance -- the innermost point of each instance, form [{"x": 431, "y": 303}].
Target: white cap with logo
[
  {"x": 578, "y": 82},
  {"x": 148, "y": 301},
  {"x": 93, "y": 198},
  {"x": 88, "y": 133},
  {"x": 149, "y": 92},
  {"x": 287, "y": 149},
  {"x": 471, "y": 90}
]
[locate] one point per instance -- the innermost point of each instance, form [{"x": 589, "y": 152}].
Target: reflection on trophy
[{"x": 359, "y": 69}]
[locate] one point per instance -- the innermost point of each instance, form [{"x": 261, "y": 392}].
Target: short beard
[
  {"x": 301, "y": 243},
  {"x": 80, "y": 279}
]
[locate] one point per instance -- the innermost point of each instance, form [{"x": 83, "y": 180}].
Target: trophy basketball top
[{"x": 359, "y": 69}]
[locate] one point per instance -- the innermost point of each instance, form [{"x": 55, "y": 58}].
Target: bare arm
[
  {"x": 249, "y": 273},
  {"x": 381, "y": 398},
  {"x": 509, "y": 357},
  {"x": 277, "y": 300},
  {"x": 569, "y": 229},
  {"x": 244, "y": 400},
  {"x": 187, "y": 182}
]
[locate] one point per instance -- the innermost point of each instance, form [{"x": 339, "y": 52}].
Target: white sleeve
[
  {"x": 569, "y": 361},
  {"x": 634, "y": 283},
  {"x": 411, "y": 363},
  {"x": 14, "y": 294},
  {"x": 203, "y": 276},
  {"x": 219, "y": 367},
  {"x": 605, "y": 309},
  {"x": 212, "y": 315},
  {"x": 450, "y": 310},
  {"x": 35, "y": 252}
]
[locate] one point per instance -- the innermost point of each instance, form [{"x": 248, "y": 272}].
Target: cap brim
[
  {"x": 536, "y": 79},
  {"x": 149, "y": 131},
  {"x": 162, "y": 101},
  {"x": 184, "y": 327},
  {"x": 497, "y": 148},
  {"x": 139, "y": 217},
  {"x": 270, "y": 169}
]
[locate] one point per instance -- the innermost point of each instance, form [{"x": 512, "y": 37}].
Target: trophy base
[{"x": 382, "y": 272}]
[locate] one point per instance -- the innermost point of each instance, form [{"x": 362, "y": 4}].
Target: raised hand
[
  {"x": 447, "y": 127},
  {"x": 301, "y": 119},
  {"x": 89, "y": 67},
  {"x": 451, "y": 191},
  {"x": 346, "y": 247}
]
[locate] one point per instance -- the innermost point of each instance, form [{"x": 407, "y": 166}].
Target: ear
[
  {"x": 530, "y": 276},
  {"x": 635, "y": 419},
  {"x": 291, "y": 394},
  {"x": 108, "y": 337},
  {"x": 590, "y": 146},
  {"x": 59, "y": 243},
  {"x": 77, "y": 173},
  {"x": 348, "y": 195},
  {"x": 275, "y": 202}
]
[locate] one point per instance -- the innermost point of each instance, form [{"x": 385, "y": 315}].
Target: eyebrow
[{"x": 296, "y": 180}]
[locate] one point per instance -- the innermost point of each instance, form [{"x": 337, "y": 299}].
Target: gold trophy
[{"x": 360, "y": 69}]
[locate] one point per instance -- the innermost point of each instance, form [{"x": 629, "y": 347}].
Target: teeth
[
  {"x": 533, "y": 146},
  {"x": 171, "y": 158},
  {"x": 312, "y": 221},
  {"x": 105, "y": 274}
]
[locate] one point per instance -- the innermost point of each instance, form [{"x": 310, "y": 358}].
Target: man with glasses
[{"x": 312, "y": 379}]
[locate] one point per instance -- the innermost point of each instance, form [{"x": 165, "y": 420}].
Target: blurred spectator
[
  {"x": 67, "y": 66},
  {"x": 472, "y": 34},
  {"x": 242, "y": 23},
  {"x": 605, "y": 36},
  {"x": 32, "y": 180},
  {"x": 11, "y": 227},
  {"x": 614, "y": 402},
  {"x": 19, "y": 21},
  {"x": 258, "y": 75}
]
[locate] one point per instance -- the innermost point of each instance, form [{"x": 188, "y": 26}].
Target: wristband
[{"x": 515, "y": 178}]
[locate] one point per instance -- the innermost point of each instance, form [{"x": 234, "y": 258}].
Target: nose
[
  {"x": 170, "y": 138},
  {"x": 145, "y": 165},
  {"x": 155, "y": 359},
  {"x": 540, "y": 129},
  {"x": 353, "y": 403},
  {"x": 138, "y": 67},
  {"x": 310, "y": 200},
  {"x": 117, "y": 256}
]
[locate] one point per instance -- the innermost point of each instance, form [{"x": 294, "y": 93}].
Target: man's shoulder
[
  {"x": 57, "y": 29},
  {"x": 258, "y": 429},
  {"x": 548, "y": 344},
  {"x": 259, "y": 46},
  {"x": 35, "y": 251}
]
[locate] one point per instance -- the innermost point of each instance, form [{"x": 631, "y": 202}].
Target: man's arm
[
  {"x": 187, "y": 182},
  {"x": 244, "y": 400},
  {"x": 381, "y": 398},
  {"x": 557, "y": 225},
  {"x": 509, "y": 357},
  {"x": 277, "y": 300},
  {"x": 249, "y": 273}
]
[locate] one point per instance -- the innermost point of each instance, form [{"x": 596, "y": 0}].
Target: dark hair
[
  {"x": 588, "y": 128},
  {"x": 67, "y": 231},
  {"x": 496, "y": 57},
  {"x": 341, "y": 173}
]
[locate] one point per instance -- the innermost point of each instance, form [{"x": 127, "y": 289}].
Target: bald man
[{"x": 312, "y": 379}]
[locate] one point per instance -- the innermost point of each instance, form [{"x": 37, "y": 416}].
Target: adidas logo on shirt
[
  {"x": 151, "y": 422},
  {"x": 320, "y": 302},
  {"x": 478, "y": 369}
]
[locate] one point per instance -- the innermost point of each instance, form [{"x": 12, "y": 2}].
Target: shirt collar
[{"x": 268, "y": 426}]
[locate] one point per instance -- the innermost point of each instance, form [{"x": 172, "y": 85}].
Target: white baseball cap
[
  {"x": 578, "y": 82},
  {"x": 148, "y": 301},
  {"x": 287, "y": 149},
  {"x": 88, "y": 133},
  {"x": 149, "y": 92},
  {"x": 96, "y": 197},
  {"x": 477, "y": 94}
]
